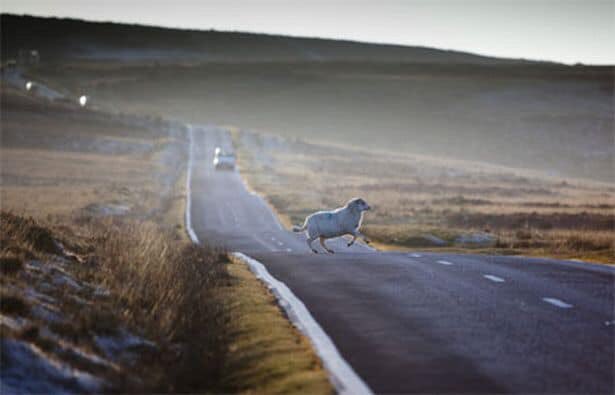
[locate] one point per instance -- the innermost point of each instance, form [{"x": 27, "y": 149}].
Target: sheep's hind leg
[
  {"x": 365, "y": 239},
  {"x": 309, "y": 243},
  {"x": 322, "y": 243}
]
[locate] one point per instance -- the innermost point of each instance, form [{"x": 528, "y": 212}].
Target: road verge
[
  {"x": 266, "y": 353},
  {"x": 343, "y": 377}
]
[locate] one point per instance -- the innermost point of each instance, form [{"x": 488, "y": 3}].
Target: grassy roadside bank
[
  {"x": 115, "y": 300},
  {"x": 101, "y": 291},
  {"x": 206, "y": 324},
  {"x": 267, "y": 353},
  {"x": 427, "y": 203}
]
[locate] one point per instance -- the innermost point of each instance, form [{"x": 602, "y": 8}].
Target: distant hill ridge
[{"x": 71, "y": 38}]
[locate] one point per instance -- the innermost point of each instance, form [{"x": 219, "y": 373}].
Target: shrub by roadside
[{"x": 109, "y": 305}]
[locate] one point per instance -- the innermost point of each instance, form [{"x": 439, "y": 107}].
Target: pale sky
[{"x": 566, "y": 31}]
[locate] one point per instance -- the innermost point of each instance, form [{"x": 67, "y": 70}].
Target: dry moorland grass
[
  {"x": 425, "y": 202},
  {"x": 550, "y": 117},
  {"x": 111, "y": 191},
  {"x": 155, "y": 286},
  {"x": 58, "y": 160}
]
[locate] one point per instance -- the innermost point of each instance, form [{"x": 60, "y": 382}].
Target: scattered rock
[
  {"x": 20, "y": 359},
  {"x": 476, "y": 239},
  {"x": 98, "y": 209},
  {"x": 434, "y": 240}
]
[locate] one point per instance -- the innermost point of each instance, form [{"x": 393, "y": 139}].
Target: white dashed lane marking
[
  {"x": 557, "y": 302},
  {"x": 289, "y": 250},
  {"x": 445, "y": 263},
  {"x": 493, "y": 278},
  {"x": 415, "y": 255},
  {"x": 280, "y": 243}
]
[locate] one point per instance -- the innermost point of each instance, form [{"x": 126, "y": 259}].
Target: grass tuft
[
  {"x": 168, "y": 289},
  {"x": 13, "y": 305},
  {"x": 10, "y": 264},
  {"x": 27, "y": 232}
]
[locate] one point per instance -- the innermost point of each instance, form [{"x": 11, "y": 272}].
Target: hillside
[
  {"x": 554, "y": 118},
  {"x": 69, "y": 38}
]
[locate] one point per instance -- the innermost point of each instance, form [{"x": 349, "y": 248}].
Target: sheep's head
[{"x": 359, "y": 204}]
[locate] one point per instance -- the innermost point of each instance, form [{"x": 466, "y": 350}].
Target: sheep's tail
[{"x": 302, "y": 228}]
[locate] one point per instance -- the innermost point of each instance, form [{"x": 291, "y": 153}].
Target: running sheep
[{"x": 329, "y": 224}]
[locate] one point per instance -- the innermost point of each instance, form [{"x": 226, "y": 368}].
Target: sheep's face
[{"x": 359, "y": 204}]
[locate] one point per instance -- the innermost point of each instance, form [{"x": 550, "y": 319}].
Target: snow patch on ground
[
  {"x": 64, "y": 280},
  {"x": 27, "y": 369},
  {"x": 36, "y": 296},
  {"x": 122, "y": 344},
  {"x": 101, "y": 292},
  {"x": 46, "y": 313},
  {"x": 15, "y": 79},
  {"x": 44, "y": 349},
  {"x": 13, "y": 323}
]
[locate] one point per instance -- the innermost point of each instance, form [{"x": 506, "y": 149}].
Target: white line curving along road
[
  {"x": 407, "y": 323},
  {"x": 344, "y": 378}
]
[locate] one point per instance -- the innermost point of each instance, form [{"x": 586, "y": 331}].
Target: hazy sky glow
[{"x": 560, "y": 30}]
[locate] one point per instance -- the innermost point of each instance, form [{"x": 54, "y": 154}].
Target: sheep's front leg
[
  {"x": 351, "y": 242},
  {"x": 322, "y": 243},
  {"x": 358, "y": 234},
  {"x": 309, "y": 243}
]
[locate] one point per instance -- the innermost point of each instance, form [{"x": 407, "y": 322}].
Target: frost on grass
[
  {"x": 52, "y": 337},
  {"x": 72, "y": 308},
  {"x": 13, "y": 323},
  {"x": 122, "y": 345},
  {"x": 27, "y": 369},
  {"x": 44, "y": 349}
]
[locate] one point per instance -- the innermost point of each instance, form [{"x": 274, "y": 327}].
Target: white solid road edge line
[
  {"x": 343, "y": 377},
  {"x": 188, "y": 219}
]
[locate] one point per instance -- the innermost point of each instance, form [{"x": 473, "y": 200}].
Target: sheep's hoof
[
  {"x": 349, "y": 244},
  {"x": 331, "y": 252},
  {"x": 315, "y": 252},
  {"x": 367, "y": 241}
]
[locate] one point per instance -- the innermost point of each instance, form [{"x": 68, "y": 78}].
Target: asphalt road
[{"x": 426, "y": 322}]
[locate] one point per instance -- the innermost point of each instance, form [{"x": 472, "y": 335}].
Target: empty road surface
[{"x": 425, "y": 322}]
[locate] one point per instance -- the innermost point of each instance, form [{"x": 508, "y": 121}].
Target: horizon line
[{"x": 288, "y": 35}]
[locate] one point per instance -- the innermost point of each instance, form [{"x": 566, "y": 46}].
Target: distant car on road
[{"x": 223, "y": 160}]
